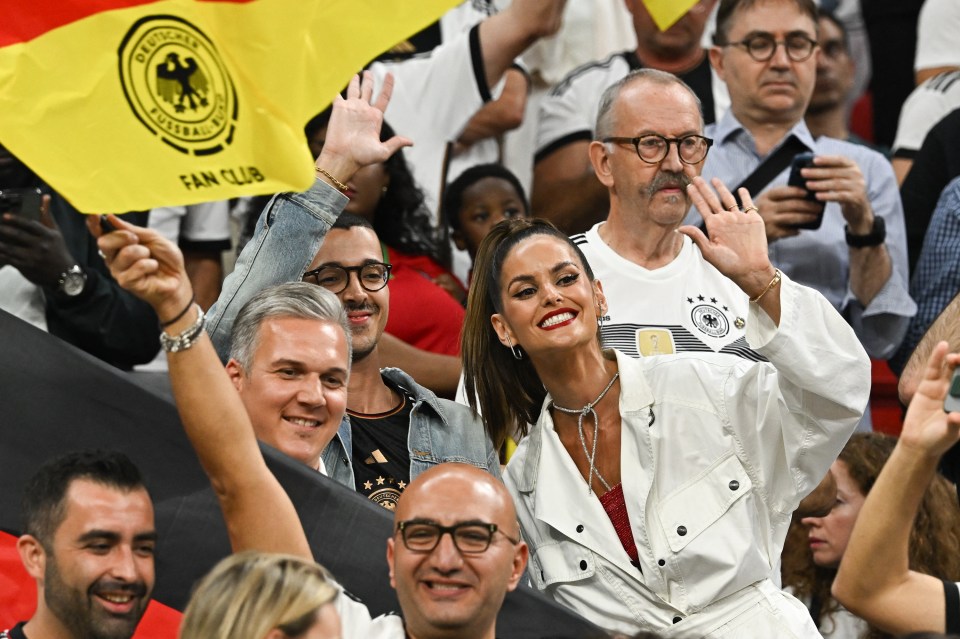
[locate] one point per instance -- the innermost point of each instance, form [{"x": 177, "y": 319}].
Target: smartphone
[
  {"x": 805, "y": 161},
  {"x": 951, "y": 403},
  {"x": 22, "y": 202}
]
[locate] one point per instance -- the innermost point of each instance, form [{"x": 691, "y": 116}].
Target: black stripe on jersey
[
  {"x": 564, "y": 84},
  {"x": 623, "y": 337},
  {"x": 943, "y": 81},
  {"x": 576, "y": 136}
]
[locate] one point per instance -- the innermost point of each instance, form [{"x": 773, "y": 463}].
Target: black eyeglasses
[
  {"x": 372, "y": 276},
  {"x": 469, "y": 537},
  {"x": 762, "y": 46},
  {"x": 653, "y": 148}
]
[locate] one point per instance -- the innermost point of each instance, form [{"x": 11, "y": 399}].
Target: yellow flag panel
[{"x": 131, "y": 104}]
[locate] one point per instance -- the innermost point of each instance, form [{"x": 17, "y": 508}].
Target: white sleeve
[
  {"x": 792, "y": 419},
  {"x": 355, "y": 620},
  {"x": 569, "y": 111},
  {"x": 923, "y": 108}
]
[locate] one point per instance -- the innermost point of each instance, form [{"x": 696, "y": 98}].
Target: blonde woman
[{"x": 254, "y": 595}]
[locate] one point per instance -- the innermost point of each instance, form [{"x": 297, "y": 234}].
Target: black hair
[
  {"x": 348, "y": 221},
  {"x": 401, "y": 219},
  {"x": 727, "y": 8},
  {"x": 453, "y": 198},
  {"x": 844, "y": 35},
  {"x": 42, "y": 504}
]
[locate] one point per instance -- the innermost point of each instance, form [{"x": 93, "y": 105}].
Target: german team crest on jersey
[{"x": 710, "y": 320}]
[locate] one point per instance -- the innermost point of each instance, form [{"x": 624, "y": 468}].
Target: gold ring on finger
[
  {"x": 733, "y": 207},
  {"x": 751, "y": 208}
]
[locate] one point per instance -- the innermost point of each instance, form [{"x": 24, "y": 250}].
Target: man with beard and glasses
[
  {"x": 396, "y": 428},
  {"x": 89, "y": 543},
  {"x": 663, "y": 296}
]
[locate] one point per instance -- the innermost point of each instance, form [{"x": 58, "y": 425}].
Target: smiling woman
[{"x": 656, "y": 485}]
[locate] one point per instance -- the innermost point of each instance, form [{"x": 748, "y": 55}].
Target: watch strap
[{"x": 876, "y": 236}]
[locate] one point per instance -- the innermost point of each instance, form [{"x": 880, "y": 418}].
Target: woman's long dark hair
[
  {"x": 507, "y": 391},
  {"x": 402, "y": 220},
  {"x": 934, "y": 538}
]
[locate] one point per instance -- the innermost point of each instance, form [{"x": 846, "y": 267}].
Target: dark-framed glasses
[
  {"x": 652, "y": 148},
  {"x": 469, "y": 537},
  {"x": 372, "y": 276},
  {"x": 762, "y": 46}
]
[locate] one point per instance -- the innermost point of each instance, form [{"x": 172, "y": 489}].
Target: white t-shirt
[
  {"x": 22, "y": 298},
  {"x": 924, "y": 107},
  {"x": 355, "y": 620},
  {"x": 434, "y": 97},
  {"x": 685, "y": 306},
  {"x": 937, "y": 31}
]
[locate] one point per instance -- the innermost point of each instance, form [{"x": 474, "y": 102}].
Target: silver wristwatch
[{"x": 72, "y": 281}]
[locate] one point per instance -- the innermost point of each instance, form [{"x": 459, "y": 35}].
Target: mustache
[
  {"x": 135, "y": 588},
  {"x": 365, "y": 307},
  {"x": 669, "y": 179}
]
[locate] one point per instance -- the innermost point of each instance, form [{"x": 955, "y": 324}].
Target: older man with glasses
[
  {"x": 841, "y": 231},
  {"x": 663, "y": 296}
]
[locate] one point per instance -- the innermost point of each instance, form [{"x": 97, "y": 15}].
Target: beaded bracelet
[{"x": 186, "y": 339}]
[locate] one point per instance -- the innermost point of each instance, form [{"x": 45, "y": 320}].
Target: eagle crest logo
[
  {"x": 710, "y": 320},
  {"x": 177, "y": 85}
]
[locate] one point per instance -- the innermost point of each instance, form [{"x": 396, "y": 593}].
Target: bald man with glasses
[{"x": 855, "y": 253}]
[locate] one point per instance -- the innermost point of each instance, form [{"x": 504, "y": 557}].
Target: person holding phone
[
  {"x": 52, "y": 276},
  {"x": 767, "y": 55}
]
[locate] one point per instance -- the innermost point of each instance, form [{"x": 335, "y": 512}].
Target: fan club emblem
[
  {"x": 177, "y": 85},
  {"x": 710, "y": 320}
]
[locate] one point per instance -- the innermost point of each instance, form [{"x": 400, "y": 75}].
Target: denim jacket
[
  {"x": 288, "y": 235},
  {"x": 440, "y": 431}
]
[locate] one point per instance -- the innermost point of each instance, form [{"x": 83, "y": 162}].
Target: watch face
[{"x": 73, "y": 281}]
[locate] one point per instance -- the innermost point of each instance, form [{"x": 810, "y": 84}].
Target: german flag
[
  {"x": 55, "y": 398},
  {"x": 132, "y": 104}
]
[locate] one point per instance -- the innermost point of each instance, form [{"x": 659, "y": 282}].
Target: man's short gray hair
[
  {"x": 605, "y": 121},
  {"x": 297, "y": 300}
]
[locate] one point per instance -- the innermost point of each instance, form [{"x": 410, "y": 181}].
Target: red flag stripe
[{"x": 24, "y": 21}]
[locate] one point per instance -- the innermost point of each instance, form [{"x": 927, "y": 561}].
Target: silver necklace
[{"x": 581, "y": 413}]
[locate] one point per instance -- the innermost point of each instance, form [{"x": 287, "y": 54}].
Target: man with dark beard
[
  {"x": 663, "y": 296},
  {"x": 89, "y": 543}
]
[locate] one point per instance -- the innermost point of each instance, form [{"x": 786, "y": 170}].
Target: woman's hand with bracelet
[
  {"x": 353, "y": 134},
  {"x": 149, "y": 266}
]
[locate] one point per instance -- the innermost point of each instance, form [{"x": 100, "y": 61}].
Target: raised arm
[
  {"x": 509, "y": 33},
  {"x": 875, "y": 581},
  {"x": 258, "y": 513},
  {"x": 945, "y": 328},
  {"x": 292, "y": 227}
]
